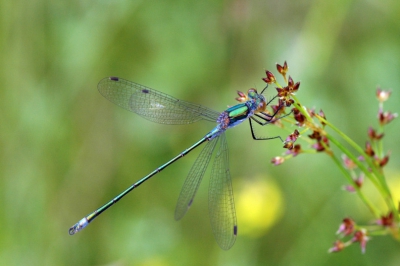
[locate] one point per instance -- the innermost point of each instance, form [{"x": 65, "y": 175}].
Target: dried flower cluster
[{"x": 358, "y": 166}]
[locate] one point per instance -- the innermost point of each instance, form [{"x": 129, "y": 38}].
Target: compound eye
[{"x": 252, "y": 93}]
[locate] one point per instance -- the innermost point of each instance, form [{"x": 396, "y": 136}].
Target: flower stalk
[{"x": 368, "y": 162}]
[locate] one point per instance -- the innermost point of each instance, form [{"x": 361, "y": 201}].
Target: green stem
[
  {"x": 379, "y": 180},
  {"x": 302, "y": 110},
  {"x": 372, "y": 208},
  {"x": 386, "y": 197},
  {"x": 384, "y": 191},
  {"x": 357, "y": 148},
  {"x": 357, "y": 162}
]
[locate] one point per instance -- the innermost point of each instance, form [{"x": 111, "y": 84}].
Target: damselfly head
[
  {"x": 257, "y": 99},
  {"x": 252, "y": 93}
]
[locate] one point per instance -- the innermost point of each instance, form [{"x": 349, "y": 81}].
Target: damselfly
[{"x": 162, "y": 108}]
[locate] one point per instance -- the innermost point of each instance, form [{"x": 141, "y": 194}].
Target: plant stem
[{"x": 372, "y": 208}]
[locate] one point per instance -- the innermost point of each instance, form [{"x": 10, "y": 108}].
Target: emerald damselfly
[{"x": 164, "y": 109}]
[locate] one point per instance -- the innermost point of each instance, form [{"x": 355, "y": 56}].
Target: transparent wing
[
  {"x": 193, "y": 179},
  {"x": 221, "y": 204},
  {"x": 151, "y": 104}
]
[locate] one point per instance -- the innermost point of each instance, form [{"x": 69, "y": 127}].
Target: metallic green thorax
[{"x": 238, "y": 112}]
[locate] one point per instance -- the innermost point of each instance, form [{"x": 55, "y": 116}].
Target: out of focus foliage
[{"x": 65, "y": 150}]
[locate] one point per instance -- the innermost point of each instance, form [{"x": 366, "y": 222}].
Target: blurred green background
[{"x": 65, "y": 150}]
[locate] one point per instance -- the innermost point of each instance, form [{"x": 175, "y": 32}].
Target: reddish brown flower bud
[
  {"x": 292, "y": 86},
  {"x": 289, "y": 102},
  {"x": 291, "y": 139},
  {"x": 311, "y": 112},
  {"x": 382, "y": 95},
  {"x": 321, "y": 144},
  {"x": 385, "y": 117},
  {"x": 277, "y": 160},
  {"x": 387, "y": 221},
  {"x": 282, "y": 69},
  {"x": 290, "y": 82},
  {"x": 299, "y": 117},
  {"x": 296, "y": 87},
  {"x": 361, "y": 236},
  {"x": 315, "y": 135},
  {"x": 384, "y": 160},
  {"x": 295, "y": 150},
  {"x": 348, "y": 163},
  {"x": 270, "y": 77},
  {"x": 337, "y": 246},
  {"x": 283, "y": 92},
  {"x": 288, "y": 145},
  {"x": 373, "y": 135},
  {"x": 242, "y": 97},
  {"x": 368, "y": 149},
  {"x": 277, "y": 108},
  {"x": 322, "y": 114},
  {"x": 358, "y": 183},
  {"x": 346, "y": 227}
]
